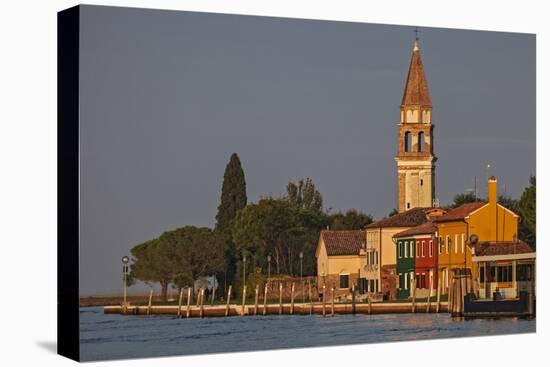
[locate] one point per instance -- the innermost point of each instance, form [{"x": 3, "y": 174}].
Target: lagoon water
[{"x": 115, "y": 336}]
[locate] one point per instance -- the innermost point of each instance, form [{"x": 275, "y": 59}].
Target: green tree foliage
[
  {"x": 281, "y": 229},
  {"x": 352, "y": 219},
  {"x": 179, "y": 256},
  {"x": 393, "y": 212},
  {"x": 460, "y": 199},
  {"x": 305, "y": 195},
  {"x": 527, "y": 209},
  {"x": 233, "y": 199}
]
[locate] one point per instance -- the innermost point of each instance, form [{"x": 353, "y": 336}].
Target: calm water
[{"x": 116, "y": 336}]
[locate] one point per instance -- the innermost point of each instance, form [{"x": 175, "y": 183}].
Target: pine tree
[{"x": 233, "y": 199}]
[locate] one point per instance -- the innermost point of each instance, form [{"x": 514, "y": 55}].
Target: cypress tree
[{"x": 233, "y": 199}]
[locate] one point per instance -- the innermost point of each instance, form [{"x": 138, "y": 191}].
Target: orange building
[{"x": 479, "y": 221}]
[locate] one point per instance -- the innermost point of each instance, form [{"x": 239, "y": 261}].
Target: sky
[{"x": 167, "y": 96}]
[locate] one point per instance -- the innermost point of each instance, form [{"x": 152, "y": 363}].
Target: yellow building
[
  {"x": 339, "y": 255},
  {"x": 483, "y": 221}
]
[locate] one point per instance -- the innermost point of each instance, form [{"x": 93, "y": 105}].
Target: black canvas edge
[{"x": 68, "y": 36}]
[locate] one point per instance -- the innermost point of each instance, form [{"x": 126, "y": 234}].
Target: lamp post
[
  {"x": 125, "y": 260},
  {"x": 268, "y": 266}
]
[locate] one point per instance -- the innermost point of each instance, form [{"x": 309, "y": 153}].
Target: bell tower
[{"x": 415, "y": 154}]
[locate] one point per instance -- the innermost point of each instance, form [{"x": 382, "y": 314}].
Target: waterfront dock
[{"x": 276, "y": 309}]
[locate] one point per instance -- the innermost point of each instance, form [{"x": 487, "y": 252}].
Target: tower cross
[{"x": 416, "y": 31}]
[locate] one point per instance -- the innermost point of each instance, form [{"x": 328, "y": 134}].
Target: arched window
[
  {"x": 408, "y": 141},
  {"x": 421, "y": 141}
]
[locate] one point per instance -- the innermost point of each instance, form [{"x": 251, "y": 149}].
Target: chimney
[{"x": 492, "y": 190}]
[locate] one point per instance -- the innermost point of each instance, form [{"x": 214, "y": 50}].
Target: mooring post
[
  {"x": 438, "y": 296},
  {"x": 244, "y": 300},
  {"x": 265, "y": 299},
  {"x": 353, "y": 298},
  {"x": 292, "y": 299},
  {"x": 256, "y": 300},
  {"x": 370, "y": 306},
  {"x": 179, "y": 302},
  {"x": 150, "y": 301},
  {"x": 450, "y": 295},
  {"x": 332, "y": 301},
  {"x": 213, "y": 296},
  {"x": 202, "y": 302},
  {"x": 413, "y": 290},
  {"x": 430, "y": 277},
  {"x": 310, "y": 298},
  {"x": 188, "y": 311},
  {"x": 228, "y": 300},
  {"x": 324, "y": 299},
  {"x": 280, "y": 298}
]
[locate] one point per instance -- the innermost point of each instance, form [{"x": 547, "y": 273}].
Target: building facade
[
  {"x": 415, "y": 154},
  {"x": 339, "y": 256},
  {"x": 417, "y": 261},
  {"x": 382, "y": 272}
]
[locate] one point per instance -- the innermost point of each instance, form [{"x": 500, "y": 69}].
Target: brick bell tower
[{"x": 415, "y": 156}]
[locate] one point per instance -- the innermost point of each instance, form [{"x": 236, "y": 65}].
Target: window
[
  {"x": 431, "y": 248},
  {"x": 423, "y": 245},
  {"x": 406, "y": 249},
  {"x": 421, "y": 182},
  {"x": 401, "y": 281},
  {"x": 371, "y": 285},
  {"x": 524, "y": 272},
  {"x": 463, "y": 241},
  {"x": 400, "y": 249},
  {"x": 376, "y": 286},
  {"x": 448, "y": 244},
  {"x": 456, "y": 244},
  {"x": 344, "y": 280},
  {"x": 482, "y": 274},
  {"x": 504, "y": 273},
  {"x": 407, "y": 280},
  {"x": 440, "y": 244},
  {"x": 407, "y": 142},
  {"x": 376, "y": 257},
  {"x": 417, "y": 248},
  {"x": 408, "y": 205},
  {"x": 421, "y": 142}
]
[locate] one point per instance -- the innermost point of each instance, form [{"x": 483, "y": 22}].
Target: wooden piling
[
  {"x": 438, "y": 296},
  {"x": 292, "y": 299},
  {"x": 413, "y": 291},
  {"x": 188, "y": 312},
  {"x": 324, "y": 299},
  {"x": 429, "y": 303},
  {"x": 213, "y": 296},
  {"x": 244, "y": 300},
  {"x": 310, "y": 298},
  {"x": 353, "y": 298},
  {"x": 257, "y": 290},
  {"x": 332, "y": 301},
  {"x": 228, "y": 300},
  {"x": 280, "y": 298},
  {"x": 265, "y": 299},
  {"x": 370, "y": 305},
  {"x": 179, "y": 302},
  {"x": 201, "y": 296},
  {"x": 150, "y": 301}
]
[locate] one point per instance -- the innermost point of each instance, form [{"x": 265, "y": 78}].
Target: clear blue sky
[{"x": 166, "y": 97}]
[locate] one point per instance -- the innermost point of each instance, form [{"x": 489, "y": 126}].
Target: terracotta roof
[
  {"x": 410, "y": 218},
  {"x": 416, "y": 87},
  {"x": 461, "y": 212},
  {"x": 501, "y": 248},
  {"x": 343, "y": 242},
  {"x": 426, "y": 228}
]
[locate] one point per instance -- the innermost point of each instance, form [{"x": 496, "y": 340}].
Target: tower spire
[{"x": 416, "y": 88}]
